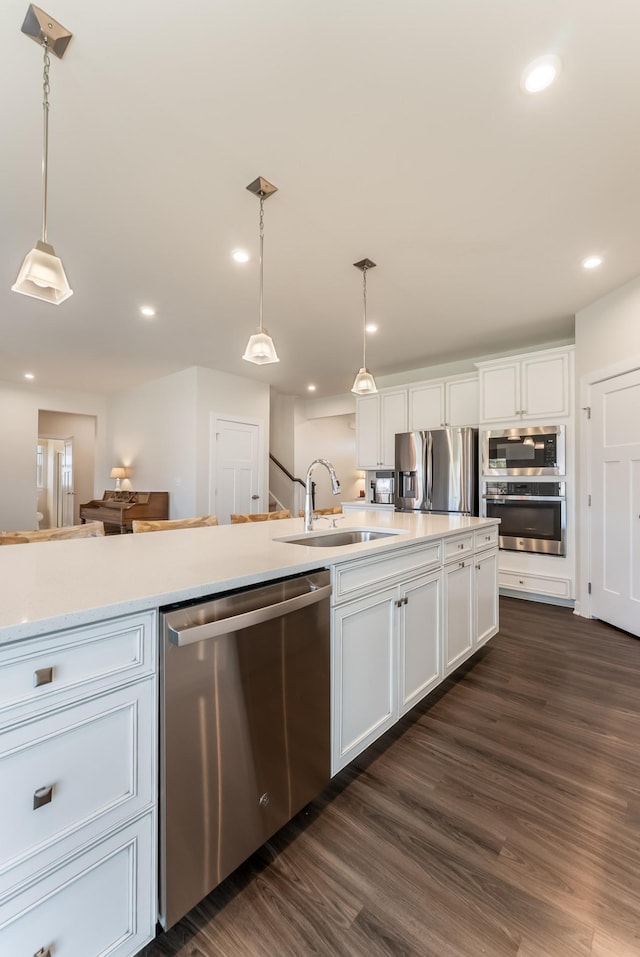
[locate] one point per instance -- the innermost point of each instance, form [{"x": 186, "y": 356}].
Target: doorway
[
  {"x": 68, "y": 441},
  {"x": 236, "y": 452},
  {"x": 614, "y": 486}
]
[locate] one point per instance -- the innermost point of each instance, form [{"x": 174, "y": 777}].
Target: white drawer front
[
  {"x": 103, "y": 902},
  {"x": 70, "y": 663},
  {"x": 96, "y": 758},
  {"x": 536, "y": 584},
  {"x": 485, "y": 538},
  {"x": 368, "y": 573},
  {"x": 458, "y": 547}
]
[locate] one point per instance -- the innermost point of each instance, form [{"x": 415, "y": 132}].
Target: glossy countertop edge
[{"x": 50, "y": 586}]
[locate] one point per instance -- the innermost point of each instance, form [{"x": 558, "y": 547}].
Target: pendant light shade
[
  {"x": 364, "y": 383},
  {"x": 42, "y": 274},
  {"x": 260, "y": 348}
]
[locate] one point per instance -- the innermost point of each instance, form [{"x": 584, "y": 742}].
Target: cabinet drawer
[
  {"x": 86, "y": 767},
  {"x": 102, "y": 902},
  {"x": 362, "y": 575},
  {"x": 458, "y": 547},
  {"x": 536, "y": 584},
  {"x": 485, "y": 538},
  {"x": 46, "y": 671}
]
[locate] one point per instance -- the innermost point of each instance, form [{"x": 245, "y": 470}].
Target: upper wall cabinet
[
  {"x": 533, "y": 386},
  {"x": 378, "y": 418},
  {"x": 449, "y": 402}
]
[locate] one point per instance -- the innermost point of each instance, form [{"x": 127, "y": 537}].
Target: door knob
[{"x": 254, "y": 498}]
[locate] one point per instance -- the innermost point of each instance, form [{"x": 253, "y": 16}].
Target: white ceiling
[{"x": 393, "y": 130}]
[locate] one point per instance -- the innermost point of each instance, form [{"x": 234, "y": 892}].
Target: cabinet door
[
  {"x": 368, "y": 432},
  {"x": 363, "y": 688},
  {"x": 486, "y": 596},
  {"x": 500, "y": 393},
  {"x": 393, "y": 419},
  {"x": 420, "y": 663},
  {"x": 545, "y": 386},
  {"x": 458, "y": 613},
  {"x": 426, "y": 406},
  {"x": 462, "y": 402}
]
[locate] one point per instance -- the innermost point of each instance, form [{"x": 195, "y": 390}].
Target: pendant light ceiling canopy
[
  {"x": 364, "y": 383},
  {"x": 42, "y": 274},
  {"x": 260, "y": 348}
]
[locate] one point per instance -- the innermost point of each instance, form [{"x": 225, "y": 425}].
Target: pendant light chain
[
  {"x": 261, "y": 256},
  {"x": 45, "y": 140}
]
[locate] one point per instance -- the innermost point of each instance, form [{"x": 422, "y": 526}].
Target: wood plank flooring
[{"x": 500, "y": 818}]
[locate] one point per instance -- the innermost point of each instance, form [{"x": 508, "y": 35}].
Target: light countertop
[{"x": 47, "y": 586}]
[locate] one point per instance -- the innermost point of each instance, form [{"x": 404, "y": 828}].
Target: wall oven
[
  {"x": 533, "y": 515},
  {"x": 537, "y": 450}
]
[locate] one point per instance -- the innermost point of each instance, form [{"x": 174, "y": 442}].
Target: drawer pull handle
[
  {"x": 43, "y": 952},
  {"x": 41, "y": 797},
  {"x": 478, "y": 567},
  {"x": 43, "y": 676},
  {"x": 460, "y": 564}
]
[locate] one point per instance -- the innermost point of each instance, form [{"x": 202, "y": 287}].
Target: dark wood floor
[{"x": 500, "y": 819}]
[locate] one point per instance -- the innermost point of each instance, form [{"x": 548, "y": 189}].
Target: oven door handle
[
  {"x": 225, "y": 626},
  {"x": 524, "y": 498}
]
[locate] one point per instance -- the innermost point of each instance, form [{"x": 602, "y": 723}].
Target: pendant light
[
  {"x": 364, "y": 383},
  {"x": 260, "y": 348},
  {"x": 42, "y": 274}
]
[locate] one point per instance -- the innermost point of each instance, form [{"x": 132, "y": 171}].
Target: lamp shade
[
  {"x": 364, "y": 383},
  {"x": 118, "y": 472},
  {"x": 42, "y": 275},
  {"x": 260, "y": 348}
]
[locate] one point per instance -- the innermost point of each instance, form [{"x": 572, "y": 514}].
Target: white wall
[
  {"x": 19, "y": 408},
  {"x": 152, "y": 431},
  {"x": 161, "y": 432},
  {"x": 221, "y": 394}
]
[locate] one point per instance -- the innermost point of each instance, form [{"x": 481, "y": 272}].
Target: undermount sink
[{"x": 345, "y": 536}]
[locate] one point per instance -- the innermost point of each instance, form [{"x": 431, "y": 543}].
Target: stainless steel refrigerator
[{"x": 437, "y": 471}]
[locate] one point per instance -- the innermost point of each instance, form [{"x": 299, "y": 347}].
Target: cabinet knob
[
  {"x": 42, "y": 796},
  {"x": 478, "y": 566},
  {"x": 520, "y": 581},
  {"x": 460, "y": 564},
  {"x": 43, "y": 676}
]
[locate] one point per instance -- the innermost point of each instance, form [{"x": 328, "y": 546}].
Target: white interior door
[
  {"x": 66, "y": 483},
  {"x": 235, "y": 448},
  {"x": 615, "y": 501}
]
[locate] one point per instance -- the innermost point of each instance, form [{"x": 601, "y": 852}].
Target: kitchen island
[{"x": 78, "y": 690}]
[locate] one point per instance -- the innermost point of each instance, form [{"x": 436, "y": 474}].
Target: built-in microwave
[{"x": 537, "y": 450}]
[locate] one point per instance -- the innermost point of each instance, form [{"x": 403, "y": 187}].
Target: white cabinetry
[
  {"x": 450, "y": 402},
  {"x": 78, "y": 779},
  {"x": 378, "y": 418},
  {"x": 533, "y": 386},
  {"x": 400, "y": 622}
]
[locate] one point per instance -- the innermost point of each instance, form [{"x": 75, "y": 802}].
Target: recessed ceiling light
[
  {"x": 148, "y": 311},
  {"x": 240, "y": 256},
  {"x": 29, "y": 375},
  {"x": 540, "y": 73},
  {"x": 592, "y": 262},
  {"x": 311, "y": 388},
  {"x": 371, "y": 327}
]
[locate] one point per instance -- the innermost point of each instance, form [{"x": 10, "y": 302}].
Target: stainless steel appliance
[
  {"x": 244, "y": 728},
  {"x": 437, "y": 471},
  {"x": 534, "y": 450},
  {"x": 382, "y": 490},
  {"x": 533, "y": 515}
]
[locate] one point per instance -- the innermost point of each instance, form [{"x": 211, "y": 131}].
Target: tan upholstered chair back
[
  {"x": 164, "y": 525},
  {"x": 88, "y": 530},
  {"x": 260, "y": 517},
  {"x": 336, "y": 510}
]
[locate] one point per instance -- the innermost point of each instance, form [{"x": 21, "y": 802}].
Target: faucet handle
[{"x": 334, "y": 519}]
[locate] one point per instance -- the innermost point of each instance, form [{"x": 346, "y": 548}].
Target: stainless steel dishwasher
[{"x": 244, "y": 727}]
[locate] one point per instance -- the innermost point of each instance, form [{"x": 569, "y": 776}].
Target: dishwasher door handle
[{"x": 225, "y": 626}]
